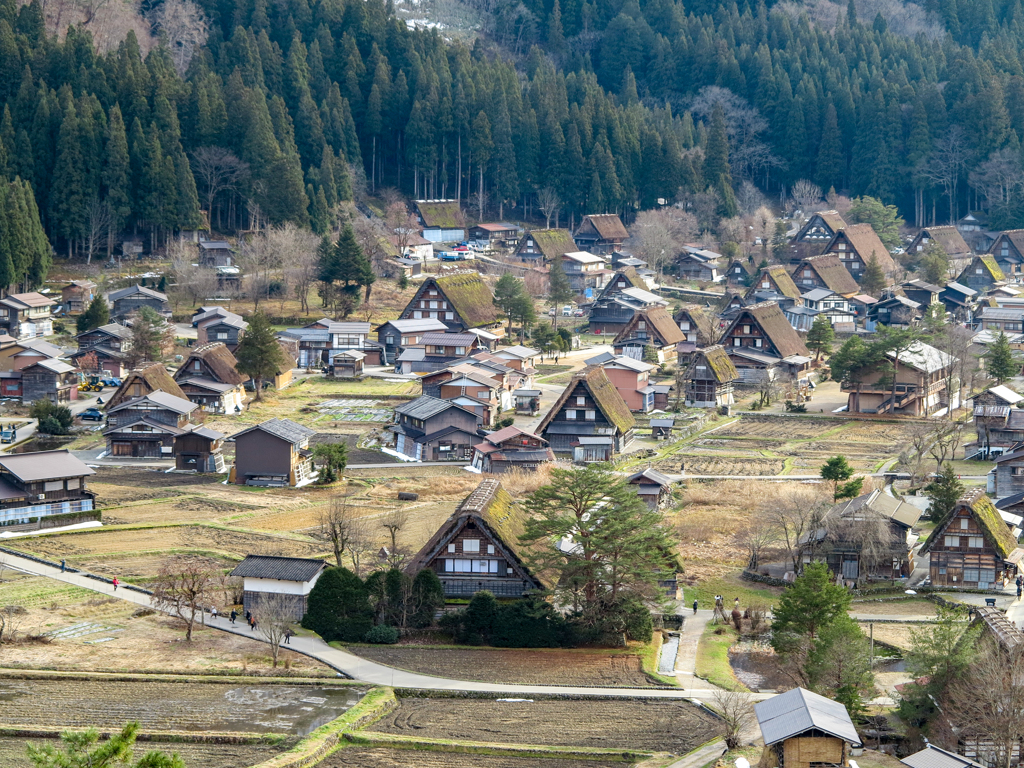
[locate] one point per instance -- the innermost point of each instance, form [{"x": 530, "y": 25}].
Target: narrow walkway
[
  {"x": 686, "y": 658},
  {"x": 362, "y": 669}
]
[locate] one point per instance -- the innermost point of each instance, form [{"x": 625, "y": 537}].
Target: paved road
[{"x": 368, "y": 671}]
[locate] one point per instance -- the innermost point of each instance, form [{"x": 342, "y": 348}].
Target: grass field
[
  {"x": 713, "y": 657},
  {"x": 13, "y": 755}
]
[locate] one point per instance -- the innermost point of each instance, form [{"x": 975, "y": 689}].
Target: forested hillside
[{"x": 292, "y": 106}]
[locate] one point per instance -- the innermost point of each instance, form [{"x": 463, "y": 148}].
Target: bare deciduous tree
[
  {"x": 258, "y": 260},
  {"x": 946, "y": 440},
  {"x": 946, "y": 164},
  {"x": 806, "y": 194},
  {"x": 401, "y": 224},
  {"x": 736, "y": 711},
  {"x": 217, "y": 170},
  {"x": 274, "y": 619},
  {"x": 758, "y": 534},
  {"x": 340, "y": 525},
  {"x": 182, "y": 589},
  {"x": 550, "y": 204},
  {"x": 184, "y": 24},
  {"x": 869, "y": 532},
  {"x": 393, "y": 523},
  {"x": 982, "y": 708},
  {"x": 98, "y": 220},
  {"x": 795, "y": 512},
  {"x": 190, "y": 280}
]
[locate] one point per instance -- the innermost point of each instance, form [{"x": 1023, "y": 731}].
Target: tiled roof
[
  {"x": 279, "y": 568},
  {"x": 136, "y": 289},
  {"x": 286, "y": 429}
]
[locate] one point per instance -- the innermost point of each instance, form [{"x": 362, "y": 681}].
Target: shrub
[
  {"x": 339, "y": 607},
  {"x": 50, "y": 426},
  {"x": 382, "y": 634},
  {"x": 530, "y": 623},
  {"x": 428, "y": 597}
]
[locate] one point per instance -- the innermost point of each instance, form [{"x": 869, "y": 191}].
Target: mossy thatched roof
[
  {"x": 719, "y": 362},
  {"x": 605, "y": 395},
  {"x": 441, "y": 214},
  {"x": 491, "y": 506},
  {"x": 989, "y": 262},
  {"x": 996, "y": 531},
  {"x": 470, "y": 296},
  {"x": 152, "y": 378},
  {"x": 553, "y": 243}
]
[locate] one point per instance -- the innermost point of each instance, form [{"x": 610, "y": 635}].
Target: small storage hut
[{"x": 802, "y": 729}]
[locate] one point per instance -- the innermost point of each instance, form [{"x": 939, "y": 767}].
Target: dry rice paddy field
[
  {"x": 91, "y": 632},
  {"x": 526, "y": 667},
  {"x": 656, "y": 726},
  {"x": 162, "y": 706},
  {"x": 370, "y": 757},
  {"x": 12, "y": 753},
  {"x": 779, "y": 445}
]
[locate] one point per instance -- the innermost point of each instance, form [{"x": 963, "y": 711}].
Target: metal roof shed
[{"x": 798, "y": 711}]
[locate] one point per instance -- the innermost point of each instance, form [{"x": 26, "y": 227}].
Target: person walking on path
[
  {"x": 64, "y": 565},
  {"x": 694, "y": 607},
  {"x": 288, "y": 636},
  {"x": 248, "y": 617},
  {"x": 115, "y": 582},
  {"x": 213, "y": 611},
  {"x": 234, "y": 615}
]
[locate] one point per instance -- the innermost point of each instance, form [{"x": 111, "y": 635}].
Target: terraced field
[
  {"x": 527, "y": 667},
  {"x": 657, "y": 726},
  {"x": 12, "y": 753},
  {"x": 368, "y": 757},
  {"x": 772, "y": 445},
  {"x": 159, "y": 706}
]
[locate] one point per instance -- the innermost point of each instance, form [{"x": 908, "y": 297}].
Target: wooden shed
[
  {"x": 802, "y": 729},
  {"x": 199, "y": 450}
]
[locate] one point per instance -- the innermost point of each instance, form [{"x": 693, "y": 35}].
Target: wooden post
[{"x": 871, "y": 630}]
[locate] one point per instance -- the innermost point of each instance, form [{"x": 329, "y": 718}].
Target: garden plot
[
  {"x": 12, "y": 752},
  {"x": 355, "y": 410},
  {"x": 656, "y": 726},
  {"x": 527, "y": 667},
  {"x": 159, "y": 706},
  {"x": 368, "y": 757},
  {"x": 86, "y": 631}
]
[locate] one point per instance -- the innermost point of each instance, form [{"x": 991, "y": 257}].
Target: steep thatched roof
[
  {"x": 441, "y": 214},
  {"x": 218, "y": 359},
  {"x": 607, "y": 225},
  {"x": 470, "y": 296},
  {"x": 152, "y": 378},
  {"x": 865, "y": 242},
  {"x": 776, "y": 328},
  {"x": 780, "y": 278},
  {"x": 718, "y": 362},
  {"x": 659, "y": 321},
  {"x": 605, "y": 395},
  {"x": 833, "y": 273},
  {"x": 491, "y": 507},
  {"x": 985, "y": 514},
  {"x": 949, "y": 238},
  {"x": 701, "y": 320},
  {"x": 553, "y": 242},
  {"x": 988, "y": 262}
]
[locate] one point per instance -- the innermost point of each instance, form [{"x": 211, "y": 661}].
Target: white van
[{"x": 567, "y": 310}]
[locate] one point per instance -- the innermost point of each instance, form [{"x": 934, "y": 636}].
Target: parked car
[
  {"x": 8, "y": 435},
  {"x": 91, "y": 414},
  {"x": 567, "y": 311}
]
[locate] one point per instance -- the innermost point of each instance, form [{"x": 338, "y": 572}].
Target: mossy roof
[
  {"x": 989, "y": 262},
  {"x": 471, "y": 297},
  {"x": 985, "y": 514},
  {"x": 605, "y": 395},
  {"x": 553, "y": 243},
  {"x": 489, "y": 503},
  {"x": 720, "y": 364},
  {"x": 441, "y": 214}
]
